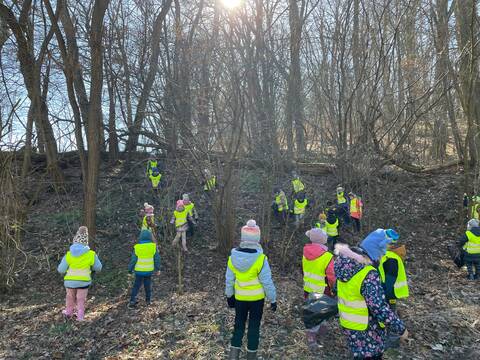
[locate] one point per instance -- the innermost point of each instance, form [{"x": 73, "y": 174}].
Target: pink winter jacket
[{"x": 314, "y": 251}]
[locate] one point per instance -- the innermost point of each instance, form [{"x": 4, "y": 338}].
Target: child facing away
[
  {"x": 77, "y": 265},
  {"x": 144, "y": 262},
  {"x": 318, "y": 275},
  {"x": 180, "y": 218},
  {"x": 192, "y": 211},
  {"x": 248, "y": 282}
]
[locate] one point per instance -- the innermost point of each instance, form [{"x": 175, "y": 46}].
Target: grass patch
[
  {"x": 60, "y": 329},
  {"x": 64, "y": 218}
]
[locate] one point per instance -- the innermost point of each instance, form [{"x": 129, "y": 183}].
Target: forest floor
[{"x": 442, "y": 314}]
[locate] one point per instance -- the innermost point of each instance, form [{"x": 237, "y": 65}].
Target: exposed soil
[{"x": 442, "y": 313}]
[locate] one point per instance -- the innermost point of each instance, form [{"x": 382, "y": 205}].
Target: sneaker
[{"x": 132, "y": 304}]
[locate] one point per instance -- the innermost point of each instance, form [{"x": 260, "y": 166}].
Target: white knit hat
[{"x": 81, "y": 237}]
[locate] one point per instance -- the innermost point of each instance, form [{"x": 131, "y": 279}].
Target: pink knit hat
[
  {"x": 148, "y": 209},
  {"x": 317, "y": 236},
  {"x": 250, "y": 233}
]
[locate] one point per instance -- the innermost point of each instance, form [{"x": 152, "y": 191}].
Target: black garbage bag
[
  {"x": 456, "y": 254},
  {"x": 317, "y": 309}
]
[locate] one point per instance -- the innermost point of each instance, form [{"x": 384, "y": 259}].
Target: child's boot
[
  {"x": 251, "y": 354},
  {"x": 69, "y": 303},
  {"x": 81, "y": 299},
  {"x": 234, "y": 353}
]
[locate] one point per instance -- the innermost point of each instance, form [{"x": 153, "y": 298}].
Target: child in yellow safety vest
[
  {"x": 392, "y": 273},
  {"x": 248, "y": 282},
  {"x": 180, "y": 218},
  {"x": 318, "y": 275},
  {"x": 331, "y": 226},
  {"x": 192, "y": 211},
  {"x": 470, "y": 244},
  {"x": 77, "y": 265},
  {"x": 300, "y": 204},
  {"x": 148, "y": 220},
  {"x": 363, "y": 313},
  {"x": 153, "y": 172},
  {"x": 144, "y": 262},
  {"x": 356, "y": 211}
]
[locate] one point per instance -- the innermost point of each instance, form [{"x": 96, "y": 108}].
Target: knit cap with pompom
[
  {"x": 180, "y": 205},
  {"x": 81, "y": 237},
  {"x": 250, "y": 232},
  {"x": 317, "y": 236}
]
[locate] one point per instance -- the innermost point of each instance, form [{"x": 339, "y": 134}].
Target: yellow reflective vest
[
  {"x": 210, "y": 184},
  {"x": 299, "y": 207},
  {"x": 281, "y": 202},
  {"x": 400, "y": 288},
  {"x": 331, "y": 229},
  {"x": 474, "y": 213},
  {"x": 352, "y": 307},
  {"x": 341, "y": 198},
  {"x": 180, "y": 217},
  {"x": 145, "y": 225},
  {"x": 472, "y": 246},
  {"x": 297, "y": 185},
  {"x": 145, "y": 253},
  {"x": 314, "y": 273},
  {"x": 190, "y": 208},
  {"x": 79, "y": 267},
  {"x": 247, "y": 284}
]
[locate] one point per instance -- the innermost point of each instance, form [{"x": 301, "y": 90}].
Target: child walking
[
  {"x": 77, "y": 265},
  {"x": 248, "y": 282},
  {"x": 180, "y": 218},
  {"x": 144, "y": 262}
]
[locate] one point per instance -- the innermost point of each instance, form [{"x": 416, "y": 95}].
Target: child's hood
[
  {"x": 476, "y": 230},
  {"x": 314, "y": 251},
  {"x": 242, "y": 261},
  {"x": 78, "y": 249}
]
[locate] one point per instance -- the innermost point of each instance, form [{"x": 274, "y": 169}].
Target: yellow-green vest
[
  {"x": 400, "y": 288},
  {"x": 154, "y": 179},
  {"x": 473, "y": 244},
  {"x": 180, "y": 217},
  {"x": 341, "y": 198},
  {"x": 79, "y": 267},
  {"x": 474, "y": 214},
  {"x": 151, "y": 164},
  {"x": 145, "y": 225},
  {"x": 314, "y": 272},
  {"x": 352, "y": 307},
  {"x": 247, "y": 284},
  {"x": 281, "y": 203},
  {"x": 145, "y": 253},
  {"x": 322, "y": 226},
  {"x": 190, "y": 208},
  {"x": 297, "y": 186},
  {"x": 210, "y": 183},
  {"x": 331, "y": 229},
  {"x": 299, "y": 207}
]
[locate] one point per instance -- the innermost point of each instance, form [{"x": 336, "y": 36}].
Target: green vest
[
  {"x": 297, "y": 186},
  {"x": 180, "y": 217},
  {"x": 401, "y": 286},
  {"x": 281, "y": 203},
  {"x": 474, "y": 213},
  {"x": 341, "y": 198},
  {"x": 145, "y": 253},
  {"x": 79, "y": 267},
  {"x": 314, "y": 272},
  {"x": 352, "y": 307},
  {"x": 299, "y": 207},
  {"x": 473, "y": 244},
  {"x": 331, "y": 229},
  {"x": 145, "y": 225},
  {"x": 210, "y": 183},
  {"x": 247, "y": 285}
]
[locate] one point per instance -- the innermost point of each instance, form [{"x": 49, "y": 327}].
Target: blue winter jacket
[
  {"x": 145, "y": 237},
  {"x": 77, "y": 250},
  {"x": 243, "y": 260}
]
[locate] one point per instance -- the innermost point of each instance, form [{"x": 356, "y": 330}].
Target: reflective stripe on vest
[
  {"x": 180, "y": 217},
  {"x": 299, "y": 207},
  {"x": 400, "y": 288},
  {"x": 473, "y": 244},
  {"x": 314, "y": 273},
  {"x": 79, "y": 267},
  {"x": 247, "y": 285},
  {"x": 145, "y": 253},
  {"x": 352, "y": 307},
  {"x": 297, "y": 185},
  {"x": 341, "y": 198},
  {"x": 332, "y": 229},
  {"x": 189, "y": 208}
]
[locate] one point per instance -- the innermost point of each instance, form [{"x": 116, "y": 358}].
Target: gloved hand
[
  {"x": 274, "y": 306},
  {"x": 231, "y": 301}
]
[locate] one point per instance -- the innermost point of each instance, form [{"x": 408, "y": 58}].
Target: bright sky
[{"x": 231, "y": 4}]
